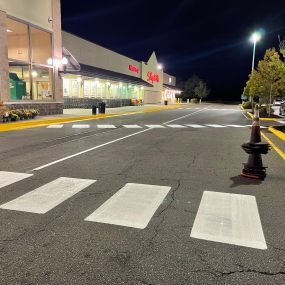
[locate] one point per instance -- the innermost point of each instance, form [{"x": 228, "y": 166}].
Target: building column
[
  {"x": 57, "y": 41},
  {"x": 4, "y": 64}
]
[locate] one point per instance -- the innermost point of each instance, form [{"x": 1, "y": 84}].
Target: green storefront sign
[{"x": 17, "y": 87}]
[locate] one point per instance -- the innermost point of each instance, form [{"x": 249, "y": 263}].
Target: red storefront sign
[
  {"x": 134, "y": 69},
  {"x": 152, "y": 77}
]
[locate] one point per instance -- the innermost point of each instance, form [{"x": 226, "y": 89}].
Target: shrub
[
  {"x": 246, "y": 105},
  {"x": 194, "y": 100}
]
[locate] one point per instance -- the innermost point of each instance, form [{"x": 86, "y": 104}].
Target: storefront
[
  {"x": 49, "y": 69},
  {"x": 30, "y": 54}
]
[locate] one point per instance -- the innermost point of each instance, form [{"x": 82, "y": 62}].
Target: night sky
[{"x": 207, "y": 38}]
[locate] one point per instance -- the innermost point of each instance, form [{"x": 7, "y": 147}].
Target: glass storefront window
[
  {"x": 19, "y": 75},
  {"x": 42, "y": 83},
  {"x": 18, "y": 40},
  {"x": 30, "y": 77},
  {"x": 41, "y": 46}
]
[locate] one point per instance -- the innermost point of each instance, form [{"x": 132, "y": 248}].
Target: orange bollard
[{"x": 254, "y": 167}]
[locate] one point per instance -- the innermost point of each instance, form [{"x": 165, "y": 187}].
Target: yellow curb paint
[
  {"x": 263, "y": 119},
  {"x": 277, "y": 133},
  {"x": 250, "y": 114},
  {"x": 42, "y": 123},
  {"x": 277, "y": 149}
]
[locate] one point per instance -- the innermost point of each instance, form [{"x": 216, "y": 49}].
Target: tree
[
  {"x": 189, "y": 87},
  {"x": 201, "y": 90},
  {"x": 268, "y": 80}
]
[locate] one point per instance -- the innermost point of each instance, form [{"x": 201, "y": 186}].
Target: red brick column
[
  {"x": 4, "y": 65},
  {"x": 56, "y": 11}
]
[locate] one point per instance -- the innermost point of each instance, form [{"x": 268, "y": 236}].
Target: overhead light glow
[
  {"x": 64, "y": 61},
  {"x": 34, "y": 73},
  {"x": 9, "y": 31},
  {"x": 79, "y": 79},
  {"x": 50, "y": 61},
  {"x": 159, "y": 66},
  {"x": 255, "y": 37}
]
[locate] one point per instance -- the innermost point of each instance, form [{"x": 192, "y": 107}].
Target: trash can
[
  {"x": 94, "y": 110},
  {"x": 165, "y": 102},
  {"x": 101, "y": 107}
]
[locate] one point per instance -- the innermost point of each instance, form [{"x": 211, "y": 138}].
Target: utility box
[{"x": 17, "y": 87}]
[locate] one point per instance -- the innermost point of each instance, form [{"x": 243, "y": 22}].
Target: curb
[
  {"x": 41, "y": 123},
  {"x": 277, "y": 133},
  {"x": 262, "y": 119}
]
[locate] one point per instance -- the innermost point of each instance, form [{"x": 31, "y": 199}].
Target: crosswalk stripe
[
  {"x": 106, "y": 127},
  {"x": 155, "y": 126},
  {"x": 132, "y": 126},
  {"x": 48, "y": 196},
  {"x": 8, "y": 178},
  {"x": 195, "y": 126},
  {"x": 132, "y": 206},
  {"x": 80, "y": 126},
  {"x": 215, "y": 126},
  {"x": 236, "y": 126},
  {"x": 229, "y": 218},
  {"x": 176, "y": 126},
  {"x": 54, "y": 127}
]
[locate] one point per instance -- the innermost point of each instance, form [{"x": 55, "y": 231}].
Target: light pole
[{"x": 255, "y": 37}]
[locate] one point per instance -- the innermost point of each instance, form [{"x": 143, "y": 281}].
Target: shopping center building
[{"x": 43, "y": 67}]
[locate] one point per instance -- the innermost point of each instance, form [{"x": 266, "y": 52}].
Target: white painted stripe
[
  {"x": 80, "y": 126},
  {"x": 106, "y": 127},
  {"x": 229, "y": 218},
  {"x": 215, "y": 126},
  {"x": 54, "y": 127},
  {"x": 48, "y": 196},
  {"x": 176, "y": 126},
  {"x": 132, "y": 126},
  {"x": 87, "y": 150},
  {"x": 132, "y": 206},
  {"x": 281, "y": 122},
  {"x": 155, "y": 126},
  {"x": 236, "y": 126},
  {"x": 189, "y": 115},
  {"x": 195, "y": 126},
  {"x": 8, "y": 178}
]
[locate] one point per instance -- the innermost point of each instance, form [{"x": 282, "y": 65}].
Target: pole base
[{"x": 254, "y": 173}]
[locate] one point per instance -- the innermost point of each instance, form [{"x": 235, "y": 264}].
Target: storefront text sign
[
  {"x": 152, "y": 77},
  {"x": 134, "y": 69}
]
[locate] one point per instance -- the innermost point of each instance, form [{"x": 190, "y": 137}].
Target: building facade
[{"x": 43, "y": 67}]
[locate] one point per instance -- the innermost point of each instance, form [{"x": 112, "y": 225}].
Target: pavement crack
[{"x": 162, "y": 215}]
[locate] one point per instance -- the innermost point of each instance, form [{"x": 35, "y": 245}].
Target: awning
[
  {"x": 172, "y": 87},
  {"x": 96, "y": 72}
]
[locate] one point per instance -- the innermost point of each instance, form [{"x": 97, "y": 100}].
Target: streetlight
[{"x": 255, "y": 37}]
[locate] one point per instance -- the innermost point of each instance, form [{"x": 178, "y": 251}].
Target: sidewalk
[{"x": 75, "y": 115}]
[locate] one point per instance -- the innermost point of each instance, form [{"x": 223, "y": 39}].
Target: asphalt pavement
[{"x": 153, "y": 198}]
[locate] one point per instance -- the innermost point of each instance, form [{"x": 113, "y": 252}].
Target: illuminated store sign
[
  {"x": 134, "y": 69},
  {"x": 152, "y": 77}
]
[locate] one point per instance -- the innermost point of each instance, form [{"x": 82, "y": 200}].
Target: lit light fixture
[
  {"x": 142, "y": 88},
  {"x": 9, "y": 31},
  {"x": 170, "y": 79},
  {"x": 255, "y": 37},
  {"x": 34, "y": 73},
  {"x": 120, "y": 84},
  {"x": 130, "y": 86},
  {"x": 50, "y": 61},
  {"x": 64, "y": 61},
  {"x": 79, "y": 79},
  {"x": 108, "y": 83},
  {"x": 159, "y": 66},
  {"x": 97, "y": 82}
]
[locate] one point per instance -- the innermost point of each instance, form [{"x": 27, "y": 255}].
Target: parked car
[
  {"x": 282, "y": 109},
  {"x": 277, "y": 102}
]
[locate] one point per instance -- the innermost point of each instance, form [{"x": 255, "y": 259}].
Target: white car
[{"x": 277, "y": 102}]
